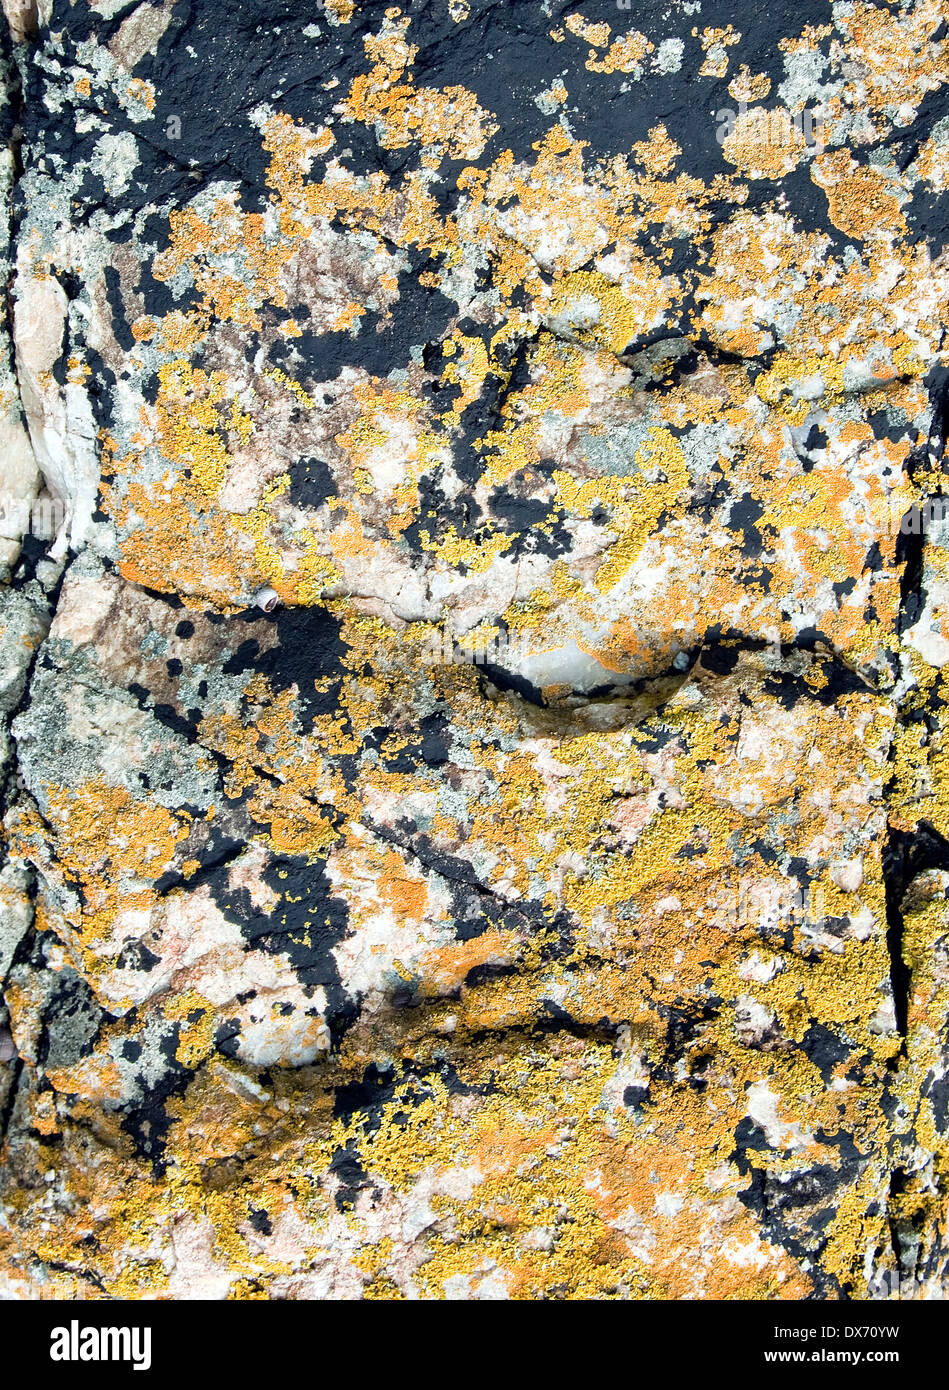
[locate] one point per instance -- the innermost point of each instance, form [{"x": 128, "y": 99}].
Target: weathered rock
[{"x": 546, "y": 895}]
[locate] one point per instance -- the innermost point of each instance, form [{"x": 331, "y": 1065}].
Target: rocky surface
[{"x": 474, "y": 650}]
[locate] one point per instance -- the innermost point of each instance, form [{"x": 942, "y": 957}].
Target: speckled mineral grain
[{"x": 474, "y": 650}]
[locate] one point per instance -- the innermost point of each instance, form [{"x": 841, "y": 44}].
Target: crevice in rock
[
  {"x": 897, "y": 872},
  {"x": 906, "y": 855},
  {"x": 6, "y": 1114},
  {"x": 60, "y": 1268},
  {"x": 901, "y": 1246},
  {"x": 909, "y": 553}
]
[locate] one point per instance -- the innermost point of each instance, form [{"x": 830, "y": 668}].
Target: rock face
[{"x": 474, "y": 654}]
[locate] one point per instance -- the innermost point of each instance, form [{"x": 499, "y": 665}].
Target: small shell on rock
[{"x": 267, "y": 599}]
